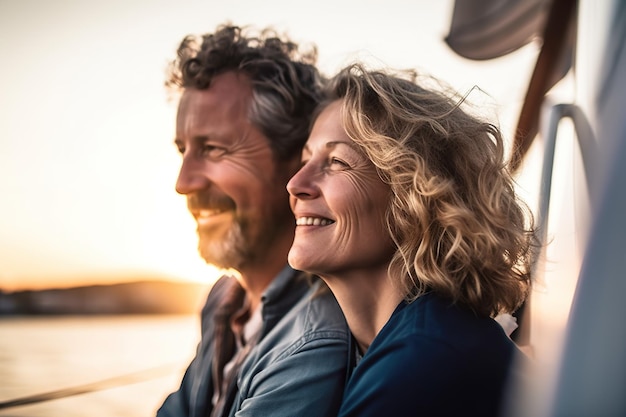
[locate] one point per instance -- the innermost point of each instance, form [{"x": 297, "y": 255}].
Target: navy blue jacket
[{"x": 432, "y": 359}]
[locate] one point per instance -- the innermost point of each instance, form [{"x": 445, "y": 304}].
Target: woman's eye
[{"x": 338, "y": 164}]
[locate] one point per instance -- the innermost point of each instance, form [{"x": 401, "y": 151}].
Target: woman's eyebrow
[{"x": 351, "y": 145}]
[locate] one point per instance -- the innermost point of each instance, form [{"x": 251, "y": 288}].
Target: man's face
[{"x": 235, "y": 188}]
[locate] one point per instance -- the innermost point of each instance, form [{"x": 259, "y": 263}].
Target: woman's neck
[{"x": 367, "y": 299}]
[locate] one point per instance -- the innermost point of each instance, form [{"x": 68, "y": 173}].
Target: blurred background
[{"x": 94, "y": 241}]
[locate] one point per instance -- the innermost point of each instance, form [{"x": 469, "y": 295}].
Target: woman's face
[{"x": 339, "y": 203}]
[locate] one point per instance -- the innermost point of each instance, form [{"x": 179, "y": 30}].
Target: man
[{"x": 274, "y": 341}]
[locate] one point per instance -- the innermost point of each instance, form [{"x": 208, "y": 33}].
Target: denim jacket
[{"x": 297, "y": 368}]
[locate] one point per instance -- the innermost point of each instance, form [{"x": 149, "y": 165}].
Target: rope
[{"x": 133, "y": 378}]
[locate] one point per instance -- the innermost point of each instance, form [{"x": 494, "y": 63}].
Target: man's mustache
[{"x": 209, "y": 201}]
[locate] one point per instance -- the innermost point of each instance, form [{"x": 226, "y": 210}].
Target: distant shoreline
[{"x": 139, "y": 297}]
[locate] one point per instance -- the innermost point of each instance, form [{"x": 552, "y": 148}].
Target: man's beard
[
  {"x": 240, "y": 245},
  {"x": 230, "y": 250},
  {"x": 243, "y": 239}
]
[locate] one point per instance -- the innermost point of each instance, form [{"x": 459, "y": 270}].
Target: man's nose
[{"x": 191, "y": 178}]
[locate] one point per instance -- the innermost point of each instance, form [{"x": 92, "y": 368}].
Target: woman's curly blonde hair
[{"x": 454, "y": 216}]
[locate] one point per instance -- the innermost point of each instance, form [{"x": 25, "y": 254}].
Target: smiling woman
[{"x": 407, "y": 210}]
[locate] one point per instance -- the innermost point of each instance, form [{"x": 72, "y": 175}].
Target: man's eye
[{"x": 213, "y": 152}]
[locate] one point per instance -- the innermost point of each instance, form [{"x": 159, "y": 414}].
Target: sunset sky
[{"x": 87, "y": 163}]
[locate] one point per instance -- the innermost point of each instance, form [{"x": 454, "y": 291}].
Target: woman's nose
[{"x": 302, "y": 184}]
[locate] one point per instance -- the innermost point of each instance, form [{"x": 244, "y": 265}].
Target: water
[{"x": 141, "y": 359}]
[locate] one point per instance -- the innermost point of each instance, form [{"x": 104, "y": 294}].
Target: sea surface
[{"x": 92, "y": 366}]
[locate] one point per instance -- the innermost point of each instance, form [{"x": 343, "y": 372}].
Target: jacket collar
[{"x": 284, "y": 291}]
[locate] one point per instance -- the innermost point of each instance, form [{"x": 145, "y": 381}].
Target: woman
[{"x": 404, "y": 207}]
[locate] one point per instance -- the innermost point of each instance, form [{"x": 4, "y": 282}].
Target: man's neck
[
  {"x": 257, "y": 275},
  {"x": 256, "y": 279}
]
